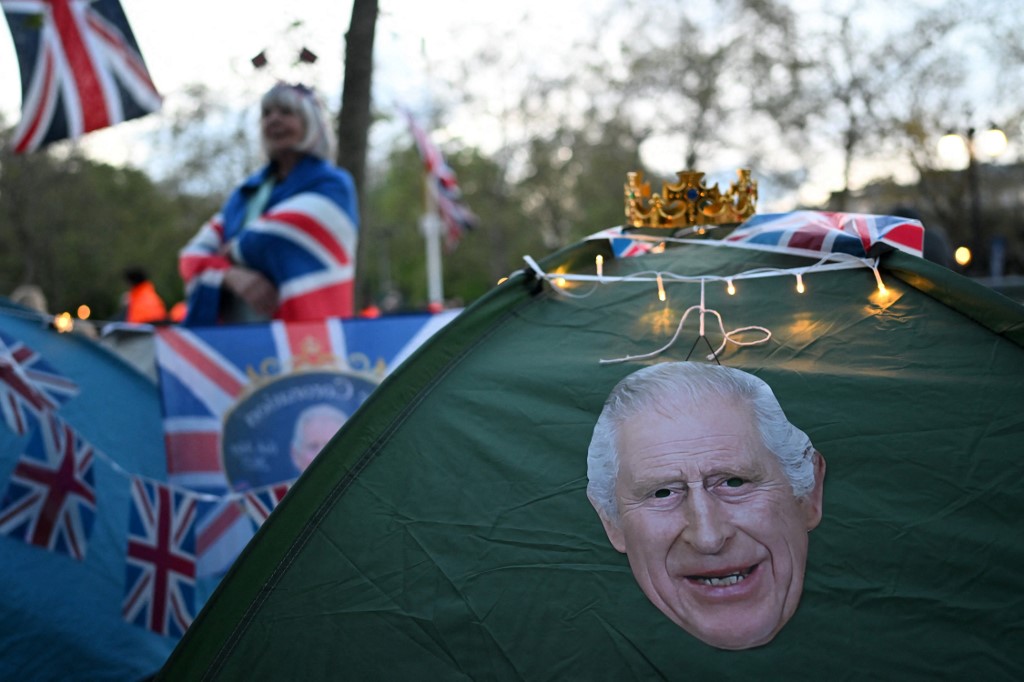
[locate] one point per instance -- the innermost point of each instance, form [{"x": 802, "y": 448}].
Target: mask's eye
[{"x": 732, "y": 486}]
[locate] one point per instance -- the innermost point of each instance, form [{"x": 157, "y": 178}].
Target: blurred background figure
[
  {"x": 142, "y": 303},
  {"x": 284, "y": 245},
  {"x": 30, "y": 296}
]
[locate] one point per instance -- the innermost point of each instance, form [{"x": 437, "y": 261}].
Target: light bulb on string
[
  {"x": 63, "y": 323},
  {"x": 800, "y": 288},
  {"x": 599, "y": 264},
  {"x": 878, "y": 278},
  {"x": 730, "y": 288},
  {"x": 661, "y": 289}
]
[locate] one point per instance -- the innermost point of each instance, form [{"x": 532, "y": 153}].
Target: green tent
[{"x": 445, "y": 533}]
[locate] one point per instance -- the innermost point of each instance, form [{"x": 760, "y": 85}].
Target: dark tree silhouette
[{"x": 354, "y": 119}]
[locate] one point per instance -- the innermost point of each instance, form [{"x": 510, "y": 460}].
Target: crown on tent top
[{"x": 689, "y": 201}]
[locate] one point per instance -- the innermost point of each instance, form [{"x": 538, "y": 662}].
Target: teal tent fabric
[
  {"x": 60, "y": 618},
  {"x": 445, "y": 532}
]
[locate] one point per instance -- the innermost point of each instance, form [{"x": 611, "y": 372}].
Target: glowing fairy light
[
  {"x": 661, "y": 289},
  {"x": 878, "y": 278},
  {"x": 730, "y": 288},
  {"x": 63, "y": 323},
  {"x": 599, "y": 264},
  {"x": 800, "y": 288},
  {"x": 560, "y": 282},
  {"x": 84, "y": 312},
  {"x": 962, "y": 256}
]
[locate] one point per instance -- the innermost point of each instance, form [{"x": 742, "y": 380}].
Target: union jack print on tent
[
  {"x": 443, "y": 187},
  {"x": 81, "y": 69},
  {"x": 29, "y": 386},
  {"x": 205, "y": 371},
  {"x": 51, "y": 497},
  {"x": 259, "y": 503},
  {"x": 815, "y": 233},
  {"x": 161, "y": 568}
]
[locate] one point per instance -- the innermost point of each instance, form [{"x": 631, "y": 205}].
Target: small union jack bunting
[
  {"x": 51, "y": 497},
  {"x": 29, "y": 386},
  {"x": 259, "y": 503},
  {"x": 160, "y": 571}
]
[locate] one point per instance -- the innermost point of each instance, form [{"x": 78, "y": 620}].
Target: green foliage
[
  {"x": 393, "y": 269},
  {"x": 71, "y": 225},
  {"x": 569, "y": 186}
]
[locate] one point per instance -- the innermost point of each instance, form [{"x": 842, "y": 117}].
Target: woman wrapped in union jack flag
[{"x": 284, "y": 245}]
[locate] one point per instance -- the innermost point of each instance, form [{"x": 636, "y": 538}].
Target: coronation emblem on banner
[{"x": 283, "y": 419}]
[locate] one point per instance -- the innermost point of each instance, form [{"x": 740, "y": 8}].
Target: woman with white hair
[{"x": 284, "y": 244}]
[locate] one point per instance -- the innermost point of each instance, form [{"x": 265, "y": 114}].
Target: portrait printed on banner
[
  {"x": 703, "y": 483},
  {"x": 273, "y": 434}
]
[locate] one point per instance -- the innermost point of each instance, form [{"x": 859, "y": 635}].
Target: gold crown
[
  {"x": 689, "y": 202},
  {"x": 310, "y": 356}
]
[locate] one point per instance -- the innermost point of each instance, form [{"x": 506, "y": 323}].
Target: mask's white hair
[
  {"x": 319, "y": 138},
  {"x": 669, "y": 385}
]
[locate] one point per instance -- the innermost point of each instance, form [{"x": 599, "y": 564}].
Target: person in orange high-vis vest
[{"x": 142, "y": 302}]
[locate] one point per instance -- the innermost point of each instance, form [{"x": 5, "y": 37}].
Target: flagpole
[{"x": 430, "y": 226}]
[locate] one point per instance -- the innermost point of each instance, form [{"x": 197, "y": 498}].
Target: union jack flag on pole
[
  {"x": 51, "y": 497},
  {"x": 160, "y": 573},
  {"x": 29, "y": 386},
  {"x": 442, "y": 188},
  {"x": 81, "y": 69},
  {"x": 814, "y": 233}
]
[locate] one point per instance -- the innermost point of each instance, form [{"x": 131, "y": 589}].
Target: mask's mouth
[{"x": 723, "y": 579}]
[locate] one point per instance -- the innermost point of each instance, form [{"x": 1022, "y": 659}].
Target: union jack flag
[
  {"x": 51, "y": 498},
  {"x": 204, "y": 373},
  {"x": 81, "y": 69},
  {"x": 306, "y": 245},
  {"x": 259, "y": 503},
  {"x": 443, "y": 188},
  {"x": 815, "y": 233},
  {"x": 29, "y": 386},
  {"x": 622, "y": 245},
  {"x": 160, "y": 572}
]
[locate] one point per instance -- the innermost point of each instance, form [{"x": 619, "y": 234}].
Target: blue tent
[{"x": 60, "y": 617}]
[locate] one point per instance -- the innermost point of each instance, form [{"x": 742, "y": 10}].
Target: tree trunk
[{"x": 354, "y": 118}]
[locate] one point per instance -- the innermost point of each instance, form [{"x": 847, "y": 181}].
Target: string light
[
  {"x": 702, "y": 310},
  {"x": 599, "y": 264},
  {"x": 63, "y": 323},
  {"x": 827, "y": 263},
  {"x": 878, "y": 278}
]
